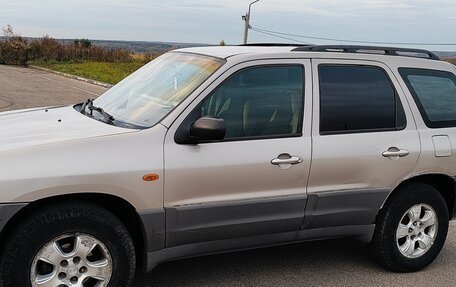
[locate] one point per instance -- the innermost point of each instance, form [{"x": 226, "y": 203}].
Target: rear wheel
[
  {"x": 411, "y": 228},
  {"x": 77, "y": 244}
]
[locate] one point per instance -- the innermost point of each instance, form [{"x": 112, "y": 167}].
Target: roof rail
[
  {"x": 274, "y": 45},
  {"x": 391, "y": 51}
]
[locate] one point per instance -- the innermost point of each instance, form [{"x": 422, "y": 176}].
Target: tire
[
  {"x": 74, "y": 228},
  {"x": 393, "y": 244}
]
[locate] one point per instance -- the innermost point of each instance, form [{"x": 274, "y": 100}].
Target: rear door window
[{"x": 355, "y": 99}]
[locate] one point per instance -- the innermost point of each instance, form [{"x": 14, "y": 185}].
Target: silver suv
[{"x": 216, "y": 149}]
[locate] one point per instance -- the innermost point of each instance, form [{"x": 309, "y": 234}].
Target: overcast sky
[{"x": 209, "y": 21}]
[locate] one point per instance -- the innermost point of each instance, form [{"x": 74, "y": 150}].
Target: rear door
[
  {"x": 364, "y": 142},
  {"x": 253, "y": 183}
]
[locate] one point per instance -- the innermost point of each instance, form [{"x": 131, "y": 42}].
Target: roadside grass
[{"x": 107, "y": 72}]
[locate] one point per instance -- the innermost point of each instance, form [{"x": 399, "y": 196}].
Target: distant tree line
[{"x": 17, "y": 50}]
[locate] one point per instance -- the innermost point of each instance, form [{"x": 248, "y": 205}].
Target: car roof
[
  {"x": 314, "y": 51},
  {"x": 225, "y": 52}
]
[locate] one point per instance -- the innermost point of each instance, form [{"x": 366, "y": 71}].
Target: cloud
[{"x": 209, "y": 21}]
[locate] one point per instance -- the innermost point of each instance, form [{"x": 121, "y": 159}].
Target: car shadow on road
[{"x": 303, "y": 264}]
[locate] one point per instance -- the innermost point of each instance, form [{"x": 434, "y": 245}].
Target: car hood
[{"x": 32, "y": 127}]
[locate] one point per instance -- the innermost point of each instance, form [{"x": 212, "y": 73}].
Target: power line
[{"x": 276, "y": 34}]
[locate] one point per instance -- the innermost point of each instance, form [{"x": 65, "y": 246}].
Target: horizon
[
  {"x": 452, "y": 52},
  {"x": 205, "y": 22}
]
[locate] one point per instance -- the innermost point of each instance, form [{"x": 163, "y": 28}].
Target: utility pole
[{"x": 246, "y": 19}]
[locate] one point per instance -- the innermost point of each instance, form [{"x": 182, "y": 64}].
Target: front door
[{"x": 253, "y": 183}]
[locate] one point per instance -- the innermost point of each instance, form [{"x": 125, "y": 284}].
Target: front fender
[{"x": 113, "y": 164}]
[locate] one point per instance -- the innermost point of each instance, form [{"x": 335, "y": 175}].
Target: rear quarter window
[{"x": 434, "y": 93}]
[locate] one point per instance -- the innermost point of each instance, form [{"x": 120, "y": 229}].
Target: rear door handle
[
  {"x": 285, "y": 161},
  {"x": 394, "y": 152}
]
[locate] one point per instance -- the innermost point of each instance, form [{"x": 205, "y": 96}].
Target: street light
[{"x": 246, "y": 19}]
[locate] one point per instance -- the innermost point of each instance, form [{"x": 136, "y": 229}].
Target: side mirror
[{"x": 208, "y": 129}]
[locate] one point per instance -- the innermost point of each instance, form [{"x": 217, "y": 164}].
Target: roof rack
[
  {"x": 274, "y": 45},
  {"x": 391, "y": 51}
]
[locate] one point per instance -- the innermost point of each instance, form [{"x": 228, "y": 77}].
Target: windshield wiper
[{"x": 89, "y": 105}]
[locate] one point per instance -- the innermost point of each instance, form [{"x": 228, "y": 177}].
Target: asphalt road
[
  {"x": 27, "y": 88},
  {"x": 326, "y": 263}
]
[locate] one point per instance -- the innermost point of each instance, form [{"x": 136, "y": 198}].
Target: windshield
[{"x": 150, "y": 93}]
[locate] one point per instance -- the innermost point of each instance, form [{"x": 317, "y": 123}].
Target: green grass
[
  {"x": 451, "y": 60},
  {"x": 106, "y": 72}
]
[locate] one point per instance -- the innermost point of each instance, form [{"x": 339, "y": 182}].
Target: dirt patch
[{"x": 4, "y": 104}]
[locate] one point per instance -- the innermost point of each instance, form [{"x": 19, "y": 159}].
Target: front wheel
[
  {"x": 78, "y": 244},
  {"x": 411, "y": 228}
]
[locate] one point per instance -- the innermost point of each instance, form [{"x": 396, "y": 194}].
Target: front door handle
[
  {"x": 394, "y": 152},
  {"x": 285, "y": 161}
]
